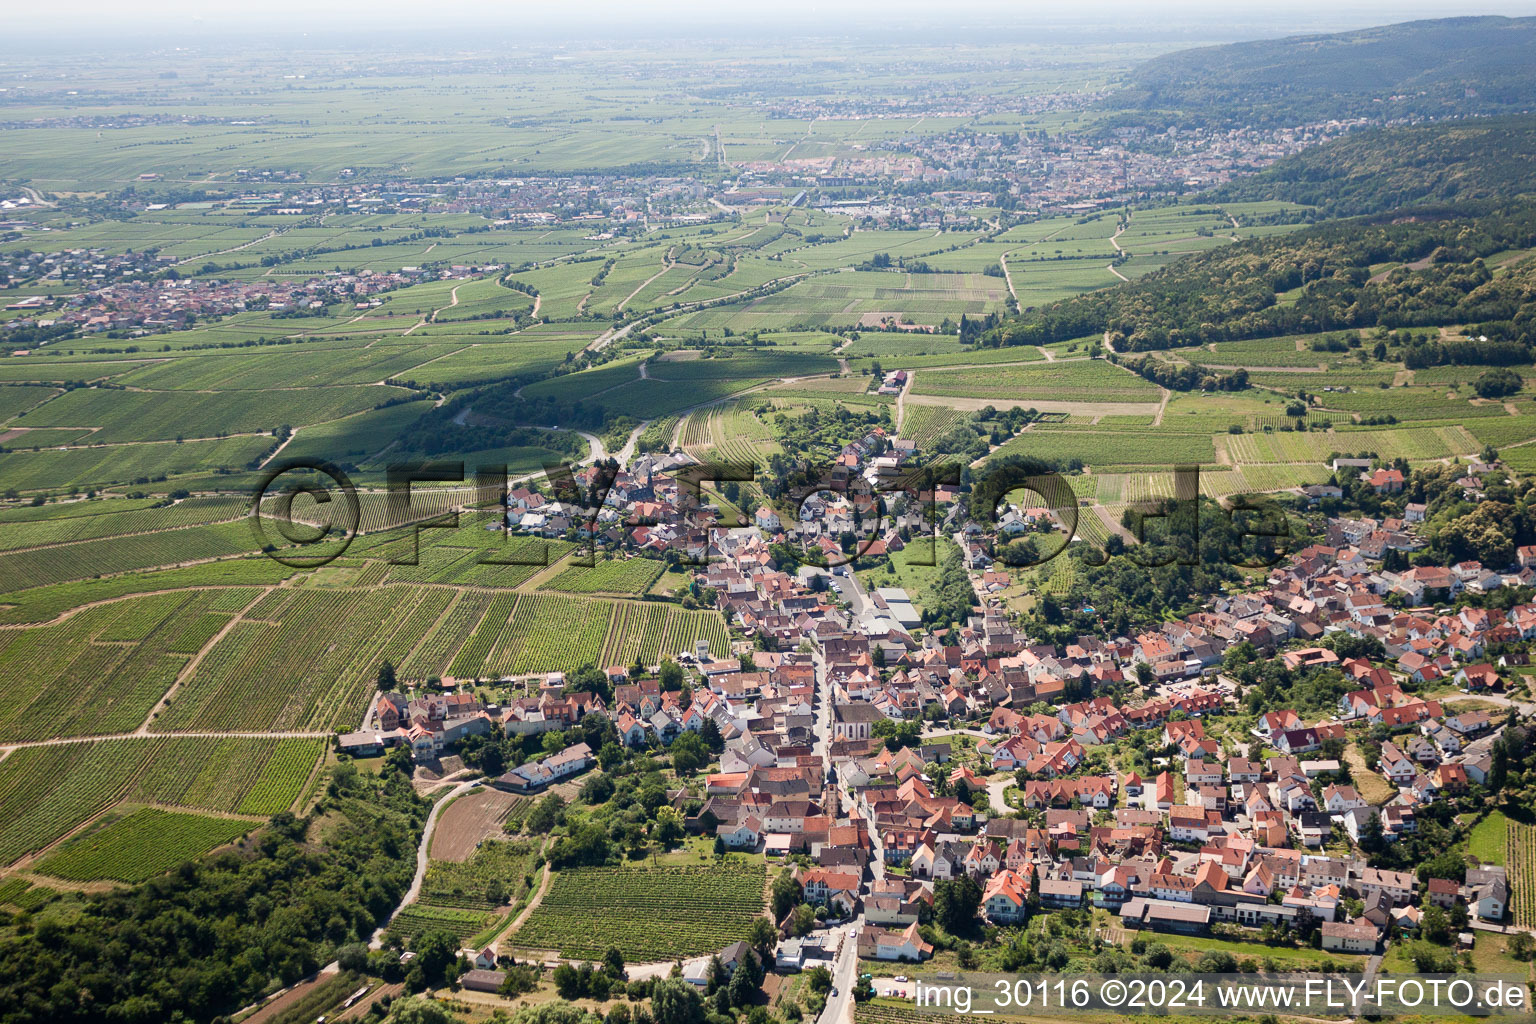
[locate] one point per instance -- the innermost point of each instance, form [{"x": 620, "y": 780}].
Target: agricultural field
[
  {"x": 1520, "y": 861},
  {"x": 464, "y": 897},
  {"x": 1105, "y": 449},
  {"x": 23, "y": 895},
  {"x": 1089, "y": 381},
  {"x": 45, "y": 792},
  {"x": 326, "y": 643},
  {"x": 146, "y": 843},
  {"x": 546, "y": 632},
  {"x": 1413, "y": 443},
  {"x": 609, "y": 576},
  {"x": 494, "y": 875},
  {"x": 648, "y": 913},
  {"x": 420, "y": 918}
]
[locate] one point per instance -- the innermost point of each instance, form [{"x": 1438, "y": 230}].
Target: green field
[
  {"x": 611, "y": 576},
  {"x": 141, "y": 845},
  {"x": 648, "y": 913},
  {"x": 1091, "y": 381},
  {"x": 45, "y": 792}
]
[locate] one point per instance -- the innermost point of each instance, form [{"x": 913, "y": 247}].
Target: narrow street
[{"x": 839, "y": 1008}]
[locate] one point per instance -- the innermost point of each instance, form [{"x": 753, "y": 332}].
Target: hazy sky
[{"x": 62, "y": 19}]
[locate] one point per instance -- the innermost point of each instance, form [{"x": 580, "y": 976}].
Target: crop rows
[
  {"x": 648, "y": 913},
  {"x": 612, "y": 576},
  {"x": 466, "y": 884},
  {"x": 633, "y": 622},
  {"x": 923, "y": 423},
  {"x": 41, "y": 604},
  {"x": 1278, "y": 476},
  {"x": 144, "y": 844},
  {"x": 1100, "y": 449},
  {"x": 250, "y": 775},
  {"x": 430, "y": 605},
  {"x": 78, "y": 560},
  {"x": 282, "y": 778},
  {"x": 432, "y": 655},
  {"x": 420, "y": 918},
  {"x": 47, "y": 791},
  {"x": 115, "y": 518},
  {"x": 1411, "y": 404},
  {"x": 1520, "y": 853},
  {"x": 470, "y": 661},
  {"x": 1311, "y": 446},
  {"x": 23, "y": 895},
  {"x": 310, "y": 669},
  {"x": 195, "y": 632},
  {"x": 52, "y": 469},
  {"x": 696, "y": 432},
  {"x": 550, "y": 633},
  {"x": 100, "y": 671},
  {"x": 682, "y": 630}
]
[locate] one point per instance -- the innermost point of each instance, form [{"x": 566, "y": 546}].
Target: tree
[
  {"x": 1371, "y": 837},
  {"x": 568, "y": 982},
  {"x": 714, "y": 975},
  {"x": 802, "y": 919},
  {"x": 906, "y": 733},
  {"x": 669, "y": 826},
  {"x": 689, "y": 753},
  {"x": 742, "y": 990},
  {"x": 386, "y": 680},
  {"x": 955, "y": 902},
  {"x": 819, "y": 979},
  {"x": 518, "y": 981},
  {"x": 1435, "y": 926},
  {"x": 419, "y": 1010},
  {"x": 762, "y": 937},
  {"x": 399, "y": 760},
  {"x": 670, "y": 675},
  {"x": 613, "y": 963},
  {"x": 597, "y": 788},
  {"x": 545, "y": 814},
  {"x": 436, "y": 953},
  {"x": 786, "y": 894},
  {"x": 675, "y": 1001},
  {"x": 352, "y": 957}
]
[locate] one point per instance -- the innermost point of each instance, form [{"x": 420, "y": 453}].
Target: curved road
[{"x": 377, "y": 942}]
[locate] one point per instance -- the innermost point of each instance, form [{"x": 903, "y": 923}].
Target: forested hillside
[
  {"x": 1465, "y": 162},
  {"x": 1412, "y": 272},
  {"x": 1440, "y": 68}
]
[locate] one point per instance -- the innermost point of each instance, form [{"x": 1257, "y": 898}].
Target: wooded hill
[
  {"x": 1467, "y": 163},
  {"x": 1442, "y": 68},
  {"x": 1356, "y": 273}
]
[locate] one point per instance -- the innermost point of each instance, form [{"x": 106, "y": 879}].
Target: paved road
[{"x": 845, "y": 972}]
